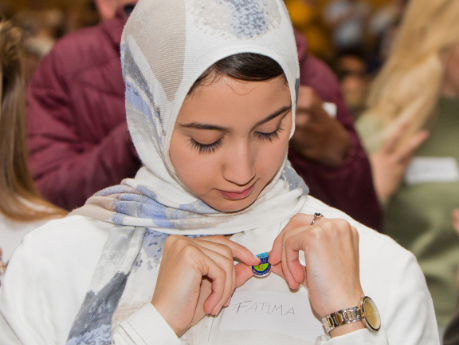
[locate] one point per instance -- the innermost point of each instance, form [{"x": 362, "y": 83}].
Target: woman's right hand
[
  {"x": 391, "y": 160},
  {"x": 197, "y": 277}
]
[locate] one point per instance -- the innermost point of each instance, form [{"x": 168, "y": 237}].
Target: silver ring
[{"x": 317, "y": 215}]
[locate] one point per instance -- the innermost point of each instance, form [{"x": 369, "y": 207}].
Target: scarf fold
[{"x": 166, "y": 46}]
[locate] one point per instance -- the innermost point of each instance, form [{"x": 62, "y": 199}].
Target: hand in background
[
  {"x": 331, "y": 254},
  {"x": 318, "y": 136},
  {"x": 455, "y": 216},
  {"x": 391, "y": 160},
  {"x": 198, "y": 277}
]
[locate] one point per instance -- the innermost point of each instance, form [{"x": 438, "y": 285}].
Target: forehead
[{"x": 228, "y": 102}]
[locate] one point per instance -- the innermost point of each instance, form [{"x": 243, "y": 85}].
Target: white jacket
[
  {"x": 12, "y": 233},
  {"x": 49, "y": 274}
]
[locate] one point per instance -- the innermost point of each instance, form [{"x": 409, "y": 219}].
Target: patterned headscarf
[{"x": 166, "y": 46}]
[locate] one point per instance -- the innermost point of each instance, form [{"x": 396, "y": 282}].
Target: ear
[{"x": 106, "y": 8}]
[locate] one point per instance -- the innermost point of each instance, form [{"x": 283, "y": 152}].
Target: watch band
[{"x": 342, "y": 317}]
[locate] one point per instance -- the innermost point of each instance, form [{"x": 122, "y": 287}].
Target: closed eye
[
  {"x": 206, "y": 148},
  {"x": 269, "y": 136}
]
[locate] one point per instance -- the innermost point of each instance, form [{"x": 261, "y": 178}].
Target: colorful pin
[{"x": 264, "y": 268}]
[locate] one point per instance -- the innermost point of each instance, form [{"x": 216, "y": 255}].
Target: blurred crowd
[
  {"x": 395, "y": 64},
  {"x": 353, "y": 37}
]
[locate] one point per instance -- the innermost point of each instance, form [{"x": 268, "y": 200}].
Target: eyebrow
[{"x": 197, "y": 125}]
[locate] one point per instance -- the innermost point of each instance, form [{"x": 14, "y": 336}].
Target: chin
[{"x": 229, "y": 206}]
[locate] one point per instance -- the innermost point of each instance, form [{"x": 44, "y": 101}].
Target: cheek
[
  {"x": 272, "y": 157},
  {"x": 270, "y": 162},
  {"x": 192, "y": 169}
]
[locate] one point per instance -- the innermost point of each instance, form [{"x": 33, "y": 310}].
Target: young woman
[
  {"x": 21, "y": 207},
  {"x": 414, "y": 101},
  {"x": 211, "y": 92}
]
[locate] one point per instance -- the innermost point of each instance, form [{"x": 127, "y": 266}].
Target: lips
[{"x": 236, "y": 195}]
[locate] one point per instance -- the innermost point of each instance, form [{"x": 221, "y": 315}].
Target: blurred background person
[
  {"x": 77, "y": 131},
  {"x": 417, "y": 93},
  {"x": 385, "y": 16},
  {"x": 351, "y": 69},
  {"x": 21, "y": 207},
  {"x": 79, "y": 142},
  {"x": 325, "y": 149},
  {"x": 347, "y": 20},
  {"x": 383, "y": 27},
  {"x": 41, "y": 30},
  {"x": 107, "y": 8}
]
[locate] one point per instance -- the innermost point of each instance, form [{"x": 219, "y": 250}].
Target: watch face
[{"x": 371, "y": 314}]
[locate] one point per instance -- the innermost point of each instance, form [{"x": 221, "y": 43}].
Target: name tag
[
  {"x": 284, "y": 313},
  {"x": 432, "y": 169}
]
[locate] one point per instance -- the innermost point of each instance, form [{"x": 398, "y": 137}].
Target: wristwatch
[{"x": 366, "y": 311}]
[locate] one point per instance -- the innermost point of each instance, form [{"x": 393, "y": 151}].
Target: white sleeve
[
  {"x": 26, "y": 317},
  {"x": 409, "y": 316},
  {"x": 145, "y": 327},
  {"x": 360, "y": 337},
  {"x": 23, "y": 319}
]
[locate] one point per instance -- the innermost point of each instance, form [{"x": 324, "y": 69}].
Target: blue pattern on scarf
[{"x": 92, "y": 326}]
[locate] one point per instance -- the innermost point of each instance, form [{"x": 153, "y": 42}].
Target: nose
[{"x": 239, "y": 166}]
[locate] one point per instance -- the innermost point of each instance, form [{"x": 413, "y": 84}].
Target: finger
[
  {"x": 226, "y": 264},
  {"x": 243, "y": 273},
  {"x": 275, "y": 255},
  {"x": 455, "y": 216},
  {"x": 218, "y": 277},
  {"x": 289, "y": 278},
  {"x": 299, "y": 220},
  {"x": 301, "y": 119},
  {"x": 277, "y": 269},
  {"x": 233, "y": 286},
  {"x": 392, "y": 141},
  {"x": 294, "y": 241},
  {"x": 293, "y": 244},
  {"x": 407, "y": 151},
  {"x": 305, "y": 98},
  {"x": 239, "y": 252},
  {"x": 226, "y": 251}
]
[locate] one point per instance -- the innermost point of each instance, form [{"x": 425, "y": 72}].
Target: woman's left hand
[{"x": 331, "y": 253}]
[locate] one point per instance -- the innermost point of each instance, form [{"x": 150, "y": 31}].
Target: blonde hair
[
  {"x": 408, "y": 87},
  {"x": 19, "y": 199}
]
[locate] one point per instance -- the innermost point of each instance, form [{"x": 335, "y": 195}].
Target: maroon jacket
[{"x": 79, "y": 141}]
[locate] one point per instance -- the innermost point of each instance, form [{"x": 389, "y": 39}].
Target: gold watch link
[{"x": 366, "y": 311}]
